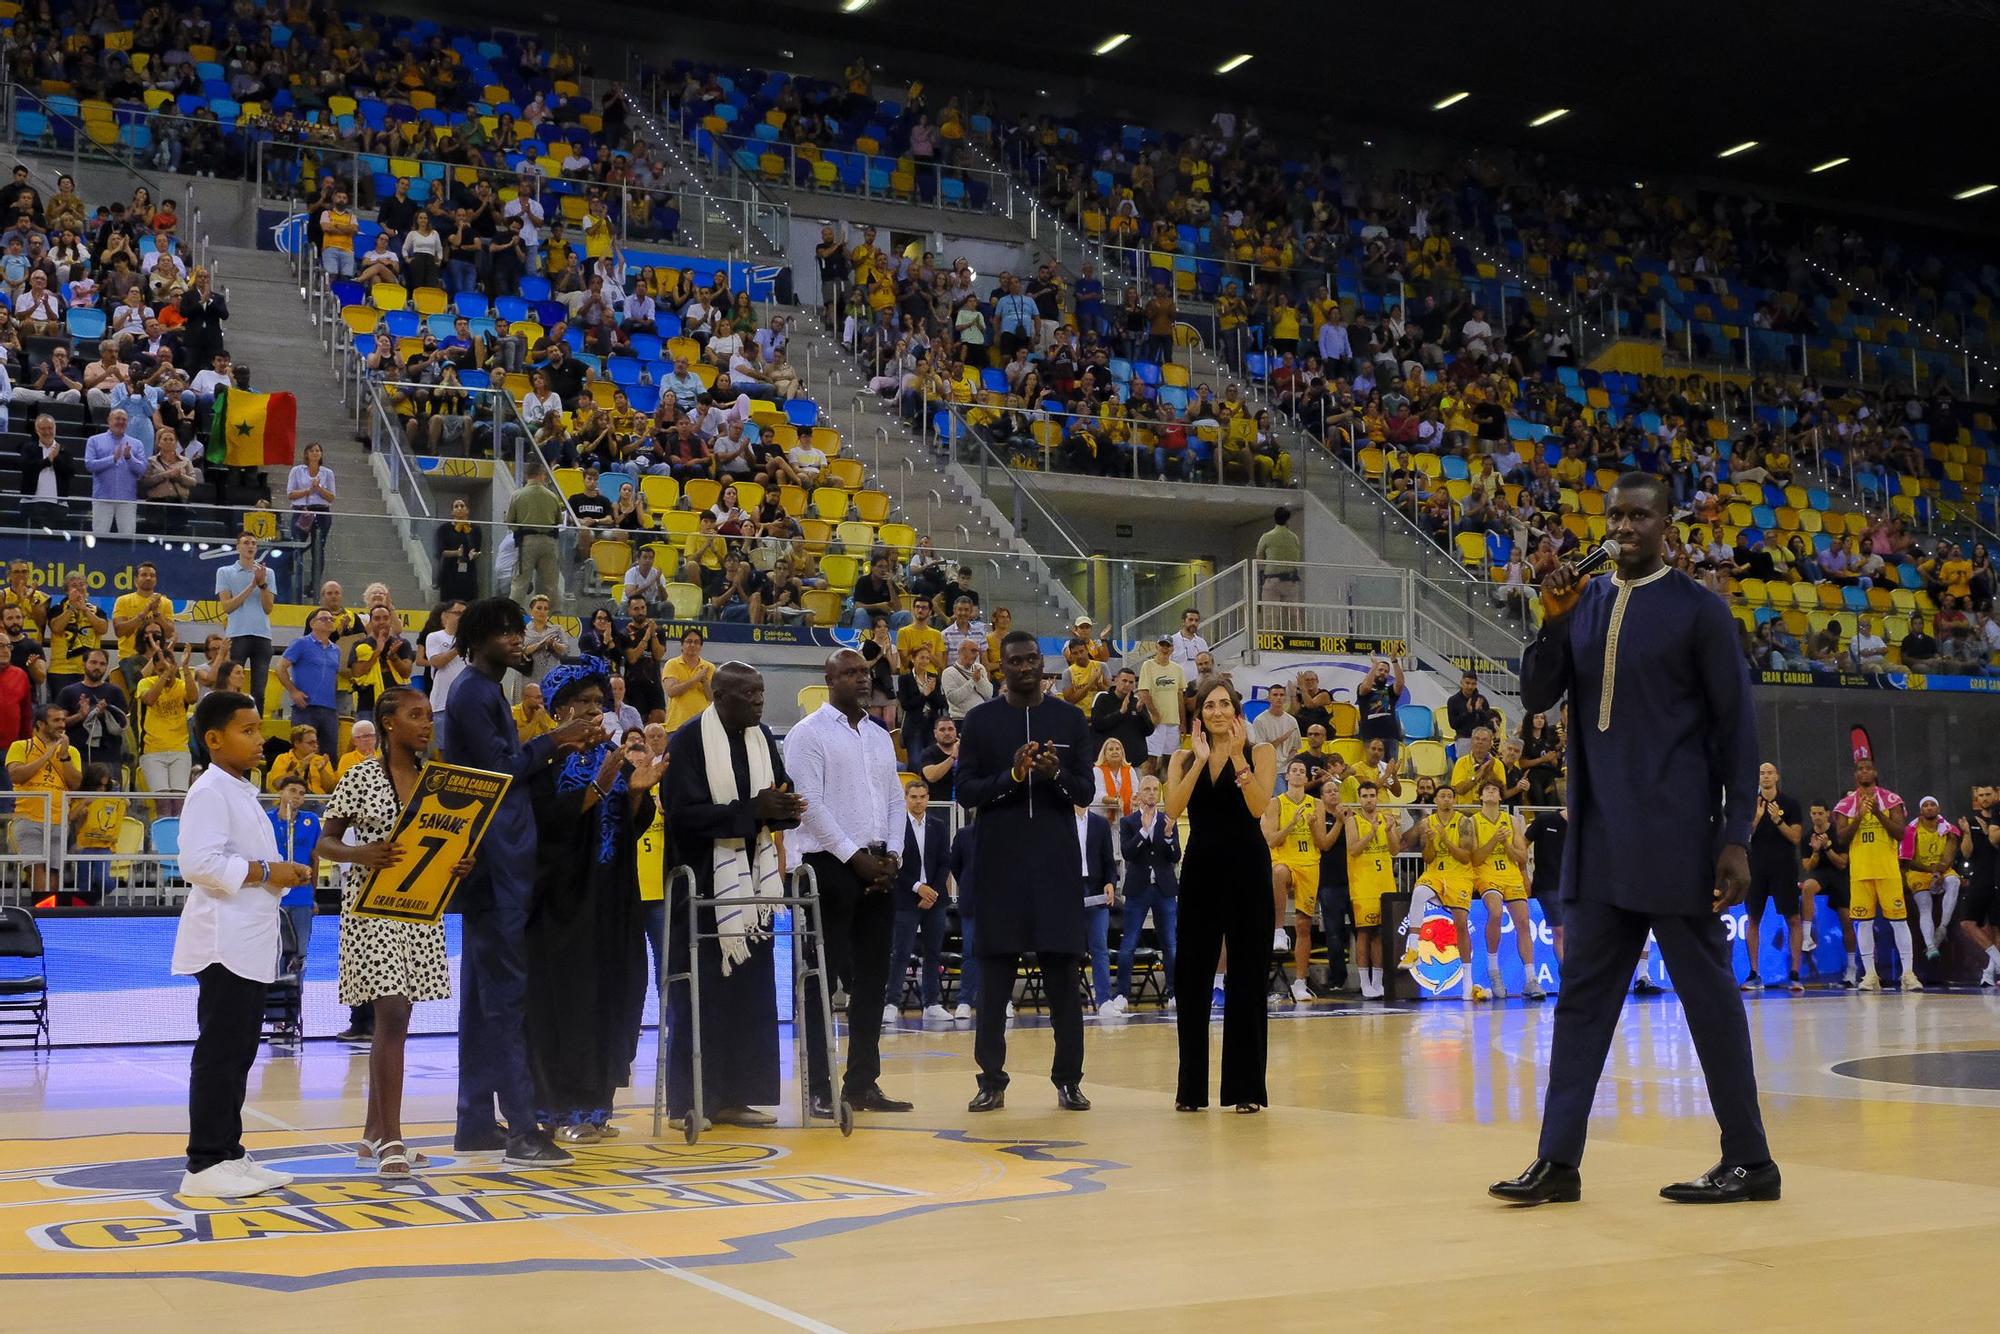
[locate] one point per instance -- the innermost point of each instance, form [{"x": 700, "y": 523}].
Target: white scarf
[{"x": 742, "y": 873}]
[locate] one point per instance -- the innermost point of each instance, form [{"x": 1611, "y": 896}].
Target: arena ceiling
[{"x": 1898, "y": 88}]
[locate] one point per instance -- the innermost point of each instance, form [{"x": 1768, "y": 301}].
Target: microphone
[{"x": 1600, "y": 556}]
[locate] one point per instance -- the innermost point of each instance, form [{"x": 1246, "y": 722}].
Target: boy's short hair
[{"x": 215, "y": 710}]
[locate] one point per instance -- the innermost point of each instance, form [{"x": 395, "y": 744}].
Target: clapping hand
[
  {"x": 776, "y": 805},
  {"x": 1199, "y": 742}
]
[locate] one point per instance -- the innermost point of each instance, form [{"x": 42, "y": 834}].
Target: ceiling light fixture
[
  {"x": 1830, "y": 164},
  {"x": 1733, "y": 150},
  {"x": 1112, "y": 43},
  {"x": 1233, "y": 63},
  {"x": 1975, "y": 191},
  {"x": 1449, "y": 101},
  {"x": 854, "y": 6},
  {"x": 1547, "y": 117}
]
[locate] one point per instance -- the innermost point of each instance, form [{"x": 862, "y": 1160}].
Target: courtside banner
[
  {"x": 799, "y": 635},
  {"x": 439, "y": 829},
  {"x": 1936, "y": 685},
  {"x": 1292, "y": 641}
]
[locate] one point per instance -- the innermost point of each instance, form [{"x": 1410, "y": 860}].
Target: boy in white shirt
[{"x": 228, "y": 942}]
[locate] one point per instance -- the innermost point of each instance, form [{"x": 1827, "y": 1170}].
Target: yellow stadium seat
[
  {"x": 1753, "y": 592},
  {"x": 405, "y": 167},
  {"x": 871, "y": 506},
  {"x": 792, "y": 500},
  {"x": 817, "y": 533},
  {"x": 1173, "y": 373},
  {"x": 1428, "y": 759},
  {"x": 702, "y": 493},
  {"x": 679, "y": 525},
  {"x": 899, "y": 538},
  {"x": 841, "y": 570},
  {"x": 569, "y": 481},
  {"x": 685, "y": 599},
  {"x": 360, "y": 320},
  {"x": 855, "y": 536},
  {"x": 612, "y": 558},
  {"x": 1344, "y": 719},
  {"x": 810, "y": 698},
  {"x": 430, "y": 300},
  {"x": 660, "y": 493},
  {"x": 830, "y": 503},
  {"x": 845, "y": 473},
  {"x": 826, "y": 440},
  {"x": 1472, "y": 550},
  {"x": 824, "y": 604},
  {"x": 749, "y": 495}
]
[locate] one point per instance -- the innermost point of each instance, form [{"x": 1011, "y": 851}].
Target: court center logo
[{"x": 70, "y": 1209}]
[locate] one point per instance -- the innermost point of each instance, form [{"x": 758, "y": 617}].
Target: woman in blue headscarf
[{"x": 586, "y": 942}]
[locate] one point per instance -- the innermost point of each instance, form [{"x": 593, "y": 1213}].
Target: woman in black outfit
[
  {"x": 458, "y": 555},
  {"x": 1223, "y": 783}
]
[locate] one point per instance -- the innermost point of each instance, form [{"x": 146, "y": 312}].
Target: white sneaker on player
[
  {"x": 1281, "y": 940},
  {"x": 1119, "y": 1005},
  {"x": 1986, "y": 974},
  {"x": 936, "y": 1014},
  {"x": 1010, "y": 1009},
  {"x": 963, "y": 1014},
  {"x": 1300, "y": 991},
  {"x": 1170, "y": 1005},
  {"x": 1910, "y": 980},
  {"x": 1869, "y": 982},
  {"x": 1499, "y": 989},
  {"x": 890, "y": 1014}
]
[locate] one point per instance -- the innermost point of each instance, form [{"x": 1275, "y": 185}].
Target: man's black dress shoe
[
  {"x": 1070, "y": 1098},
  {"x": 987, "y": 1100},
  {"x": 1723, "y": 1184},
  {"x": 873, "y": 1099},
  {"x": 1543, "y": 1183},
  {"x": 821, "y": 1107}
]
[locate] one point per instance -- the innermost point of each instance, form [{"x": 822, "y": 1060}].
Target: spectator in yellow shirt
[
  {"x": 919, "y": 633},
  {"x": 305, "y": 760},
  {"x": 42, "y": 763},
  {"x": 531, "y": 718},
  {"x": 687, "y": 681},
  {"x": 360, "y": 746},
  {"x": 1479, "y": 765}
]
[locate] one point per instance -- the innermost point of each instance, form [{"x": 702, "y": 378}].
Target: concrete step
[{"x": 269, "y": 330}]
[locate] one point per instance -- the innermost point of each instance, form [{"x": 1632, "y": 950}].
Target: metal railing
[{"x": 768, "y": 226}]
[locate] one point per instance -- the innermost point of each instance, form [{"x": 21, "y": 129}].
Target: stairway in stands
[{"x": 268, "y": 331}]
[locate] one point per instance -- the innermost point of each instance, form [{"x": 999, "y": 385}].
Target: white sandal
[{"x": 369, "y": 1154}]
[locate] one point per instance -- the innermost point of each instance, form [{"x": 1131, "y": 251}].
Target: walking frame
[{"x": 808, "y": 935}]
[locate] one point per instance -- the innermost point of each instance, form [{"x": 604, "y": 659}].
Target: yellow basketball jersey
[
  {"x": 1872, "y": 853},
  {"x": 1296, "y": 841},
  {"x": 1498, "y": 863},
  {"x": 1933, "y": 847},
  {"x": 1371, "y": 860},
  {"x": 1443, "y": 869}
]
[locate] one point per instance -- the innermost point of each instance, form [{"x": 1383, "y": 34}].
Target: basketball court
[{"x": 1356, "y": 1200}]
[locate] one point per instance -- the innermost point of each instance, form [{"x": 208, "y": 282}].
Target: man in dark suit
[
  {"x": 492, "y": 1006},
  {"x": 919, "y": 900},
  {"x": 1100, "y": 895},
  {"x": 1152, "y": 847},
  {"x": 1024, "y": 767},
  {"x": 1662, "y": 785}
]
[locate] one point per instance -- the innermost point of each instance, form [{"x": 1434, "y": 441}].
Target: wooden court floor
[{"x": 1357, "y": 1201}]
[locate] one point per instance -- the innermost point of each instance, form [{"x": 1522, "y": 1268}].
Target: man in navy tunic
[{"x": 1662, "y": 788}]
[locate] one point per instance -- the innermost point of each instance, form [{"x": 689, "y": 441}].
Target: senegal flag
[{"x": 250, "y": 430}]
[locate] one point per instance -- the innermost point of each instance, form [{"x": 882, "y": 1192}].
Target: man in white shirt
[
  {"x": 1476, "y": 332},
  {"x": 644, "y": 580},
  {"x": 1871, "y": 651},
  {"x": 745, "y": 378},
  {"x": 525, "y": 206},
  {"x": 772, "y": 339},
  {"x": 965, "y": 682},
  {"x": 808, "y": 460},
  {"x": 1188, "y": 644},
  {"x": 227, "y": 941},
  {"x": 1276, "y": 727},
  {"x": 843, "y": 763}
]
